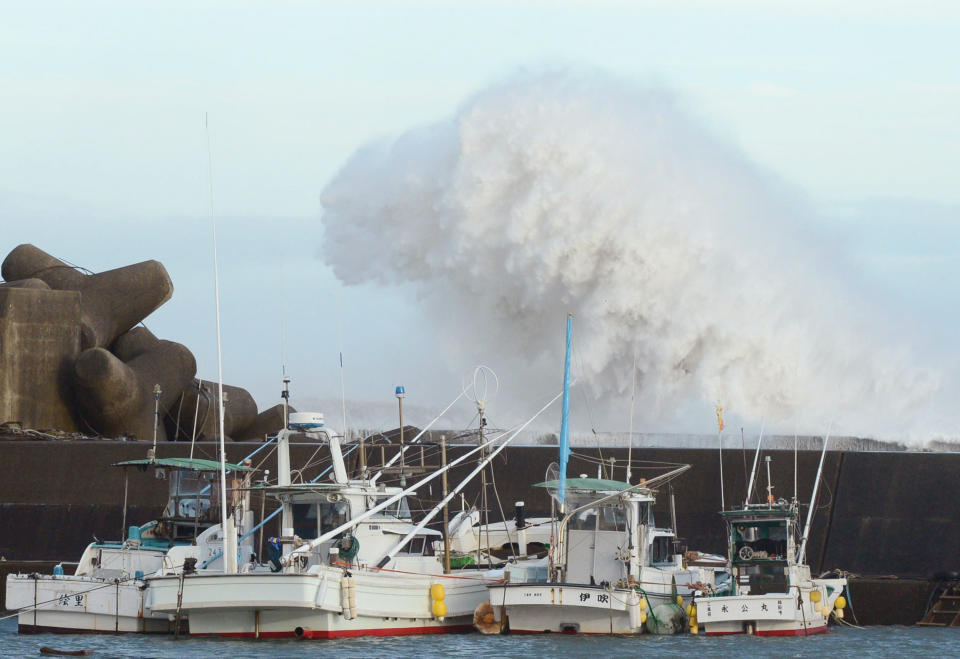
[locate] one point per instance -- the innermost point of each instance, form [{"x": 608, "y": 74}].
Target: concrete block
[
  {"x": 200, "y": 402},
  {"x": 39, "y": 340},
  {"x": 115, "y": 392},
  {"x": 268, "y": 422},
  {"x": 113, "y": 301}
]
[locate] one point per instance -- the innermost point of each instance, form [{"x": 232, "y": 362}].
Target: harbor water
[{"x": 839, "y": 642}]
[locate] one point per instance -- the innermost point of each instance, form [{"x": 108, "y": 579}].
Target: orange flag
[{"x": 719, "y": 419}]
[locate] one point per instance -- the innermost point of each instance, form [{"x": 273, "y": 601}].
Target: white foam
[{"x": 576, "y": 192}]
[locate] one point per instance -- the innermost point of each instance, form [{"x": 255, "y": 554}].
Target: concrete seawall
[{"x": 878, "y": 513}]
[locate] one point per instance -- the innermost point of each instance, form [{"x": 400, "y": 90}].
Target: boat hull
[
  {"x": 569, "y": 608},
  {"x": 71, "y": 604},
  {"x": 315, "y": 605},
  {"x": 771, "y": 614},
  {"x": 537, "y": 608}
]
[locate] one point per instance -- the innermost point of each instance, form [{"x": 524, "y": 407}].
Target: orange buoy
[{"x": 485, "y": 619}]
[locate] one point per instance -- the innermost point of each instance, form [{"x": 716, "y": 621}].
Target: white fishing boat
[
  {"x": 106, "y": 592},
  {"x": 613, "y": 571},
  {"x": 610, "y": 571},
  {"x": 774, "y": 593},
  {"x": 368, "y": 570}
]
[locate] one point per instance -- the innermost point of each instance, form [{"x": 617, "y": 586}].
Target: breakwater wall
[{"x": 878, "y": 514}]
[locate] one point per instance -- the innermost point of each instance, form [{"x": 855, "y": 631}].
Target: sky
[{"x": 104, "y": 162}]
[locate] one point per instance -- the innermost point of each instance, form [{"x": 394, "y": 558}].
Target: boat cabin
[
  {"x": 762, "y": 547},
  {"x": 320, "y": 508},
  {"x": 607, "y": 538},
  {"x": 193, "y": 506}
]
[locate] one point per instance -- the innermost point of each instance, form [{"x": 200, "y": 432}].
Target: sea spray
[{"x": 577, "y": 192}]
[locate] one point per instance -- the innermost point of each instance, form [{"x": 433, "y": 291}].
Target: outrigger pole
[
  {"x": 436, "y": 509},
  {"x": 287, "y": 559},
  {"x": 565, "y": 418},
  {"x": 813, "y": 499}
]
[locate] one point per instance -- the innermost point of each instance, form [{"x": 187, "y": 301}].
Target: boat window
[
  {"x": 305, "y": 520},
  {"x": 399, "y": 508},
  {"x": 660, "y": 550},
  {"x": 765, "y": 577},
  {"x": 612, "y": 518},
  {"x": 415, "y": 546},
  {"x": 766, "y": 540},
  {"x": 333, "y": 515},
  {"x": 190, "y": 497},
  {"x": 643, "y": 513},
  {"x": 605, "y": 518},
  {"x": 585, "y": 520}
]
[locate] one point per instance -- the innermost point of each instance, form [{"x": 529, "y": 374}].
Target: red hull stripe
[{"x": 315, "y": 634}]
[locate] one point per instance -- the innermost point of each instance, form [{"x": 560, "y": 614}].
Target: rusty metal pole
[{"x": 446, "y": 511}]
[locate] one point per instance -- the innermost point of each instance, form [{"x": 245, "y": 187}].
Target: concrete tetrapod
[
  {"x": 112, "y": 302},
  {"x": 268, "y": 422},
  {"x": 116, "y": 397},
  {"x": 200, "y": 402}
]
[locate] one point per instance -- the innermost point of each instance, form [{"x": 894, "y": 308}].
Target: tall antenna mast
[
  {"x": 229, "y": 551},
  {"x": 285, "y": 393},
  {"x": 795, "y": 462},
  {"x": 720, "y": 444},
  {"x": 633, "y": 395},
  {"x": 343, "y": 394},
  {"x": 753, "y": 470}
]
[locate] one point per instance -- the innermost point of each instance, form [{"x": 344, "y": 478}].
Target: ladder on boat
[{"x": 946, "y": 611}]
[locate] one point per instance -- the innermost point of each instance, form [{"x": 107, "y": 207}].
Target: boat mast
[
  {"x": 373, "y": 481},
  {"x": 769, "y": 482},
  {"x": 401, "y": 394},
  {"x": 229, "y": 538},
  {"x": 794, "y": 465},
  {"x": 633, "y": 395},
  {"x": 753, "y": 469},
  {"x": 565, "y": 418},
  {"x": 446, "y": 509},
  {"x": 802, "y": 554},
  {"x": 362, "y": 464},
  {"x": 484, "y": 507},
  {"x": 723, "y": 505}
]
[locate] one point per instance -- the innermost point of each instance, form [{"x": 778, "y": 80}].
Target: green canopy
[
  {"x": 594, "y": 484},
  {"x": 196, "y": 464}
]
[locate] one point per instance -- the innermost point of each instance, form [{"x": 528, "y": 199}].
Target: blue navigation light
[{"x": 400, "y": 391}]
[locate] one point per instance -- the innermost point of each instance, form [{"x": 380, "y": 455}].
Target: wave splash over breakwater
[{"x": 577, "y": 192}]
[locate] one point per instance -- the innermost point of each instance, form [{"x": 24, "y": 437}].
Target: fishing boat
[
  {"x": 351, "y": 560},
  {"x": 610, "y": 571},
  {"x": 106, "y": 592},
  {"x": 613, "y": 570},
  {"x": 774, "y": 593}
]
